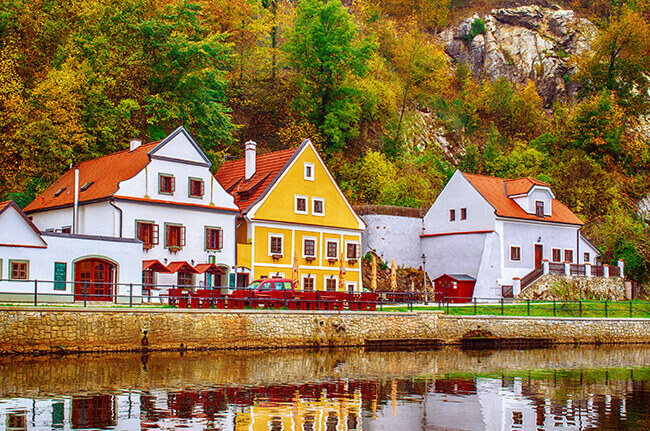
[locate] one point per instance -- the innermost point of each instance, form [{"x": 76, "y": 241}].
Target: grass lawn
[{"x": 560, "y": 309}]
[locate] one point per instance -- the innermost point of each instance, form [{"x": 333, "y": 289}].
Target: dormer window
[
  {"x": 539, "y": 208},
  {"x": 86, "y": 186},
  {"x": 58, "y": 192}
]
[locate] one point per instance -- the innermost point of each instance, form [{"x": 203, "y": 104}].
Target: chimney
[
  {"x": 135, "y": 143},
  {"x": 251, "y": 150}
]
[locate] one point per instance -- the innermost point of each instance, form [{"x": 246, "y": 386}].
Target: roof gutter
[{"x": 112, "y": 203}]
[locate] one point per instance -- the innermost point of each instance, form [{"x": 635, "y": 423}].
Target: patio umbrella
[
  {"x": 393, "y": 276},
  {"x": 342, "y": 274},
  {"x": 295, "y": 273},
  {"x": 373, "y": 281}
]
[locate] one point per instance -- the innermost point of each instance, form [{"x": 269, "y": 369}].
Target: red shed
[{"x": 454, "y": 288}]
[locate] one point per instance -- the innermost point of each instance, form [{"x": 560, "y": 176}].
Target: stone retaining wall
[
  {"x": 563, "y": 287},
  {"x": 28, "y": 329}
]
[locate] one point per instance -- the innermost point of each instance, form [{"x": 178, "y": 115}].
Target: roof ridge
[{"x": 116, "y": 153}]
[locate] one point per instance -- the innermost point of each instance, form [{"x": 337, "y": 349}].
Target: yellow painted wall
[
  {"x": 244, "y": 255},
  {"x": 279, "y": 204},
  {"x": 262, "y": 246}
]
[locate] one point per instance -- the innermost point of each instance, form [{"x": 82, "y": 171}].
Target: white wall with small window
[{"x": 309, "y": 171}]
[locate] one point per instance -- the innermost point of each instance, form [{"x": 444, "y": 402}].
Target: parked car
[{"x": 267, "y": 285}]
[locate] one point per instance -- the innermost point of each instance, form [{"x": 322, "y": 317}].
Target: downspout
[
  {"x": 236, "y": 227},
  {"x": 75, "y": 210},
  {"x": 578, "y": 246},
  {"x": 112, "y": 203}
]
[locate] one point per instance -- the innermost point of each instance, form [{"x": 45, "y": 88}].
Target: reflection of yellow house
[
  {"x": 290, "y": 202},
  {"x": 324, "y": 414}
]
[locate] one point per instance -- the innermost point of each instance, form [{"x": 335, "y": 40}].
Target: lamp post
[{"x": 424, "y": 278}]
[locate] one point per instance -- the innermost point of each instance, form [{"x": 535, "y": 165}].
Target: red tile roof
[
  {"x": 247, "y": 192},
  {"x": 105, "y": 173},
  {"x": 494, "y": 191}
]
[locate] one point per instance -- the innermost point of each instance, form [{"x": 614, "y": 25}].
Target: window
[
  {"x": 463, "y": 213},
  {"x": 86, "y": 186},
  {"x": 19, "y": 269},
  {"x": 275, "y": 244},
  {"x": 308, "y": 283},
  {"x": 309, "y": 171},
  {"x": 147, "y": 232},
  {"x": 452, "y": 215},
  {"x": 352, "y": 250},
  {"x": 213, "y": 238},
  {"x": 185, "y": 279},
  {"x": 515, "y": 253},
  {"x": 539, "y": 208},
  {"x": 148, "y": 279},
  {"x": 174, "y": 236},
  {"x": 309, "y": 248},
  {"x": 568, "y": 256},
  {"x": 318, "y": 206},
  {"x": 196, "y": 188},
  {"x": 332, "y": 251},
  {"x": 352, "y": 286},
  {"x": 66, "y": 229},
  {"x": 301, "y": 205},
  {"x": 587, "y": 258},
  {"x": 58, "y": 192},
  {"x": 557, "y": 255},
  {"x": 331, "y": 284},
  {"x": 166, "y": 184}
]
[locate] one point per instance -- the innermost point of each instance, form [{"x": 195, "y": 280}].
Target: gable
[
  {"x": 180, "y": 146},
  {"x": 17, "y": 230},
  {"x": 459, "y": 193},
  {"x": 279, "y": 202}
]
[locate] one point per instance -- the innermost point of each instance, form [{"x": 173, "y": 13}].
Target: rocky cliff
[{"x": 522, "y": 43}]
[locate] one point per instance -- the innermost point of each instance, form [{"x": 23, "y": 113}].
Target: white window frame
[
  {"x": 295, "y": 204},
  {"x": 573, "y": 254},
  {"x": 338, "y": 250},
  {"x": 302, "y": 281},
  {"x": 561, "y": 255},
  {"x": 358, "y": 243},
  {"x": 307, "y": 177},
  {"x": 276, "y": 235},
  {"x": 350, "y": 283},
  {"x": 313, "y": 206},
  {"x": 331, "y": 277},
  {"x": 510, "y": 253},
  {"x": 315, "y": 255}
]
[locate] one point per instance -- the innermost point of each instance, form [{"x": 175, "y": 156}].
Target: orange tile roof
[
  {"x": 494, "y": 191},
  {"x": 247, "y": 192},
  {"x": 104, "y": 172}
]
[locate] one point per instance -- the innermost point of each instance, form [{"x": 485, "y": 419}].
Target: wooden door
[
  {"x": 94, "y": 278},
  {"x": 539, "y": 251}
]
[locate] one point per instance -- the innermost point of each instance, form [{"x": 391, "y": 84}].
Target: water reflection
[{"x": 567, "y": 389}]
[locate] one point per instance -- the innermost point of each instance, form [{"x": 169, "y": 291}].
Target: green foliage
[
  {"x": 636, "y": 266},
  {"x": 477, "y": 27},
  {"x": 324, "y": 50}
]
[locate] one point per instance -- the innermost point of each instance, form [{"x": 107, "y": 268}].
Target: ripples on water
[{"x": 554, "y": 389}]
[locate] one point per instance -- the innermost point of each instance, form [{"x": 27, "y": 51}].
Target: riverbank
[{"x": 33, "y": 330}]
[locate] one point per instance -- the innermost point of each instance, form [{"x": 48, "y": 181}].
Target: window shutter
[
  {"x": 207, "y": 238},
  {"x": 173, "y": 184},
  {"x": 182, "y": 244},
  {"x": 220, "y": 239},
  {"x": 167, "y": 236},
  {"x": 202, "y": 187},
  {"x": 154, "y": 234}
]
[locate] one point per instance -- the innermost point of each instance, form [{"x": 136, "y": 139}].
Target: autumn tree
[{"x": 324, "y": 49}]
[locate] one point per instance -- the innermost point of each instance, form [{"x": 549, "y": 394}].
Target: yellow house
[{"x": 292, "y": 209}]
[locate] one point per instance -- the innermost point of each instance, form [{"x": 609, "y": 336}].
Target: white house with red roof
[
  {"x": 39, "y": 263},
  {"x": 495, "y": 230},
  {"x": 161, "y": 193}
]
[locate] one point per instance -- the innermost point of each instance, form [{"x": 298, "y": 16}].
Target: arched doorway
[{"x": 95, "y": 277}]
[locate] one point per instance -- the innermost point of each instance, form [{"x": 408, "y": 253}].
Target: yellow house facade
[{"x": 292, "y": 211}]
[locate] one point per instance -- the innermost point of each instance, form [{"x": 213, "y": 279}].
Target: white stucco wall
[
  {"x": 537, "y": 193},
  {"x": 94, "y": 219},
  {"x": 69, "y": 249},
  {"x": 525, "y": 234},
  {"x": 457, "y": 194},
  {"x": 394, "y": 237}
]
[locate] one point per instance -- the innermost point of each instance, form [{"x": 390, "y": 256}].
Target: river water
[{"x": 562, "y": 388}]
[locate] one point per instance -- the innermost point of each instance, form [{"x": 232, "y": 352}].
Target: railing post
[
  {"x": 475, "y": 310},
  {"x": 545, "y": 266},
  {"x": 447, "y": 304},
  {"x": 588, "y": 269},
  {"x": 130, "y": 294},
  {"x": 605, "y": 270},
  {"x": 605, "y": 308},
  {"x": 567, "y": 268},
  {"x": 516, "y": 286},
  {"x": 554, "y": 308},
  {"x": 630, "y": 308},
  {"x": 35, "y": 293},
  {"x": 318, "y": 300},
  {"x": 528, "y": 307},
  {"x": 85, "y": 292},
  {"x": 502, "y": 306},
  {"x": 580, "y": 307},
  {"x": 621, "y": 265}
]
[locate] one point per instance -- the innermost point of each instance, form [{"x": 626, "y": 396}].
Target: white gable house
[
  {"x": 161, "y": 193},
  {"x": 495, "y": 230}
]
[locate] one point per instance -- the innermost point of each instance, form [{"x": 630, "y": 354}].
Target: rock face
[{"x": 522, "y": 43}]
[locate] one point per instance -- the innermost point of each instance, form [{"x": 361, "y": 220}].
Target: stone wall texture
[
  {"x": 553, "y": 286},
  {"x": 25, "y": 329}
]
